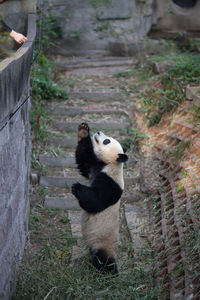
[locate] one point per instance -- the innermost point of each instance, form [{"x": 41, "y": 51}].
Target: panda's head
[{"x": 107, "y": 149}]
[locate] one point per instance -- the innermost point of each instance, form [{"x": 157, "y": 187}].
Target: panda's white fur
[
  {"x": 101, "y": 229},
  {"x": 109, "y": 154}
]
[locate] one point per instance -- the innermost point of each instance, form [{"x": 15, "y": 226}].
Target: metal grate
[{"x": 176, "y": 210}]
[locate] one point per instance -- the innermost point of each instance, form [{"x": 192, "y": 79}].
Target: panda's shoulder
[
  {"x": 104, "y": 179},
  {"x": 104, "y": 176}
]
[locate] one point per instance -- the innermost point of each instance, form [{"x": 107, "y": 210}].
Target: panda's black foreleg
[
  {"x": 87, "y": 198},
  {"x": 85, "y": 157}
]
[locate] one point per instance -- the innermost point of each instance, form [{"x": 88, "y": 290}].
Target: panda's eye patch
[{"x": 106, "y": 141}]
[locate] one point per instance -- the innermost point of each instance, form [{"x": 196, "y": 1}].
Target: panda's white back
[{"x": 101, "y": 230}]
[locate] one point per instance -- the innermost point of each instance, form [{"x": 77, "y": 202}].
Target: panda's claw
[{"x": 83, "y": 131}]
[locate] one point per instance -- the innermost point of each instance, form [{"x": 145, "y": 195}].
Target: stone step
[
  {"x": 78, "y": 250},
  {"x": 137, "y": 219},
  {"x": 71, "y": 142},
  {"x": 193, "y": 93},
  {"x": 73, "y": 126},
  {"x": 59, "y": 161},
  {"x": 67, "y": 161},
  {"x": 64, "y": 142},
  {"x": 73, "y": 112},
  {"x": 101, "y": 71},
  {"x": 70, "y": 202},
  {"x": 58, "y": 110},
  {"x": 103, "y": 95},
  {"x": 79, "y": 63},
  {"x": 66, "y": 182},
  {"x": 60, "y": 182}
]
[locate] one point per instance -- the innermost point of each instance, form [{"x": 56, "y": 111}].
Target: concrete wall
[
  {"x": 15, "y": 149},
  {"x": 101, "y": 29},
  {"x": 170, "y": 18}
]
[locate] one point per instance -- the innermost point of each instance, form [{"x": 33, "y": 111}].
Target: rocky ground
[
  {"x": 159, "y": 217},
  {"x": 103, "y": 107}
]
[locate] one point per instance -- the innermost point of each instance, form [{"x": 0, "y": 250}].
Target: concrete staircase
[{"x": 103, "y": 108}]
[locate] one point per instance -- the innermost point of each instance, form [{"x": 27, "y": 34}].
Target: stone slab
[
  {"x": 59, "y": 161},
  {"x": 161, "y": 66},
  {"x": 99, "y": 71},
  {"x": 63, "y": 111},
  {"x": 73, "y": 126},
  {"x": 57, "y": 110},
  {"x": 69, "y": 202},
  {"x": 62, "y": 182},
  {"x": 193, "y": 93},
  {"x": 118, "y": 10},
  {"x": 63, "y": 142},
  {"x": 78, "y": 250},
  {"x": 98, "y": 96},
  {"x": 93, "y": 63},
  {"x": 72, "y": 143},
  {"x": 138, "y": 224},
  {"x": 75, "y": 221},
  {"x": 133, "y": 197}
]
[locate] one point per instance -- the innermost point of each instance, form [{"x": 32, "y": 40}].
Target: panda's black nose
[{"x": 98, "y": 132}]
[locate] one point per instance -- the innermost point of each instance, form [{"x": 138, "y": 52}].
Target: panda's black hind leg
[{"x": 103, "y": 263}]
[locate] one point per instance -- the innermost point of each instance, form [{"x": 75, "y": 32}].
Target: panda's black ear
[
  {"x": 124, "y": 149},
  {"x": 122, "y": 157}
]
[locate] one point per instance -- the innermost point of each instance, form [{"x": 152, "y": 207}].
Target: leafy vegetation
[
  {"x": 44, "y": 88},
  {"x": 100, "y": 3},
  {"x": 49, "y": 29},
  {"x": 135, "y": 136},
  {"x": 47, "y": 269},
  {"x": 80, "y": 281},
  {"x": 127, "y": 73},
  {"x": 5, "y": 43},
  {"x": 167, "y": 90},
  {"x": 176, "y": 153},
  {"x": 196, "y": 113},
  {"x": 159, "y": 94}
]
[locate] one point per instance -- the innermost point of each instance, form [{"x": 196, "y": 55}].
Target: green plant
[
  {"x": 105, "y": 25},
  {"x": 100, "y": 3},
  {"x": 43, "y": 86},
  {"x": 159, "y": 99},
  {"x": 49, "y": 271},
  {"x": 126, "y": 143},
  {"x": 49, "y": 29},
  {"x": 5, "y": 43},
  {"x": 196, "y": 112},
  {"x": 176, "y": 153},
  {"x": 43, "y": 89},
  {"x": 35, "y": 163},
  {"x": 34, "y": 219},
  {"x": 179, "y": 188},
  {"x": 64, "y": 220},
  {"x": 135, "y": 136},
  {"x": 127, "y": 73}
]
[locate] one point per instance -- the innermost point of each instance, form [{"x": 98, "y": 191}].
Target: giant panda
[{"x": 100, "y": 159}]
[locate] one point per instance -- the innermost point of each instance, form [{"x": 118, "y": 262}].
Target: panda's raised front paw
[
  {"x": 83, "y": 131},
  {"x": 75, "y": 188}
]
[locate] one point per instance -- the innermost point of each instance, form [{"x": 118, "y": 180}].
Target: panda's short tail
[{"x": 103, "y": 263}]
